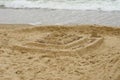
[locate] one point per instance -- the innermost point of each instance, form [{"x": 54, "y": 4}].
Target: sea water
[{"x": 107, "y": 5}]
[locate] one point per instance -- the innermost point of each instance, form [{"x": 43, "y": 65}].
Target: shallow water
[{"x": 105, "y": 5}]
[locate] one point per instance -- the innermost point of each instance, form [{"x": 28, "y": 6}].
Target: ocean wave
[{"x": 107, "y": 5}]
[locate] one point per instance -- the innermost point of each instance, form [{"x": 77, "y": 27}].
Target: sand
[
  {"x": 52, "y": 17},
  {"x": 76, "y": 52}
]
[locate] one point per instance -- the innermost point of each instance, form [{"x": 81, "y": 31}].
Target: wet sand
[
  {"x": 79, "y": 52},
  {"x": 52, "y": 16}
]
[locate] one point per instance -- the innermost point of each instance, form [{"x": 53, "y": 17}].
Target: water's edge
[
  {"x": 58, "y": 17},
  {"x": 104, "y": 5}
]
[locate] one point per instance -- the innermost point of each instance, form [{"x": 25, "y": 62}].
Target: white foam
[
  {"x": 108, "y": 5},
  {"x": 35, "y": 23}
]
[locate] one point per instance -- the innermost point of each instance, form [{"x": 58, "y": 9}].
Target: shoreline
[
  {"x": 59, "y": 17},
  {"x": 61, "y": 9},
  {"x": 64, "y": 25}
]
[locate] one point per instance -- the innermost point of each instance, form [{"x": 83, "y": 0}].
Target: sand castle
[{"x": 61, "y": 43}]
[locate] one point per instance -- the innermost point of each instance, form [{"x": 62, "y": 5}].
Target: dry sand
[{"x": 79, "y": 52}]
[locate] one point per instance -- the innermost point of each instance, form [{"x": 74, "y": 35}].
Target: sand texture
[{"x": 76, "y": 52}]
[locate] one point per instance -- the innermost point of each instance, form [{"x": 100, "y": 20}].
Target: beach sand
[{"x": 59, "y": 52}]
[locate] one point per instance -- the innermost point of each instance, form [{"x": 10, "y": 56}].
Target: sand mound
[{"x": 59, "y": 52}]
